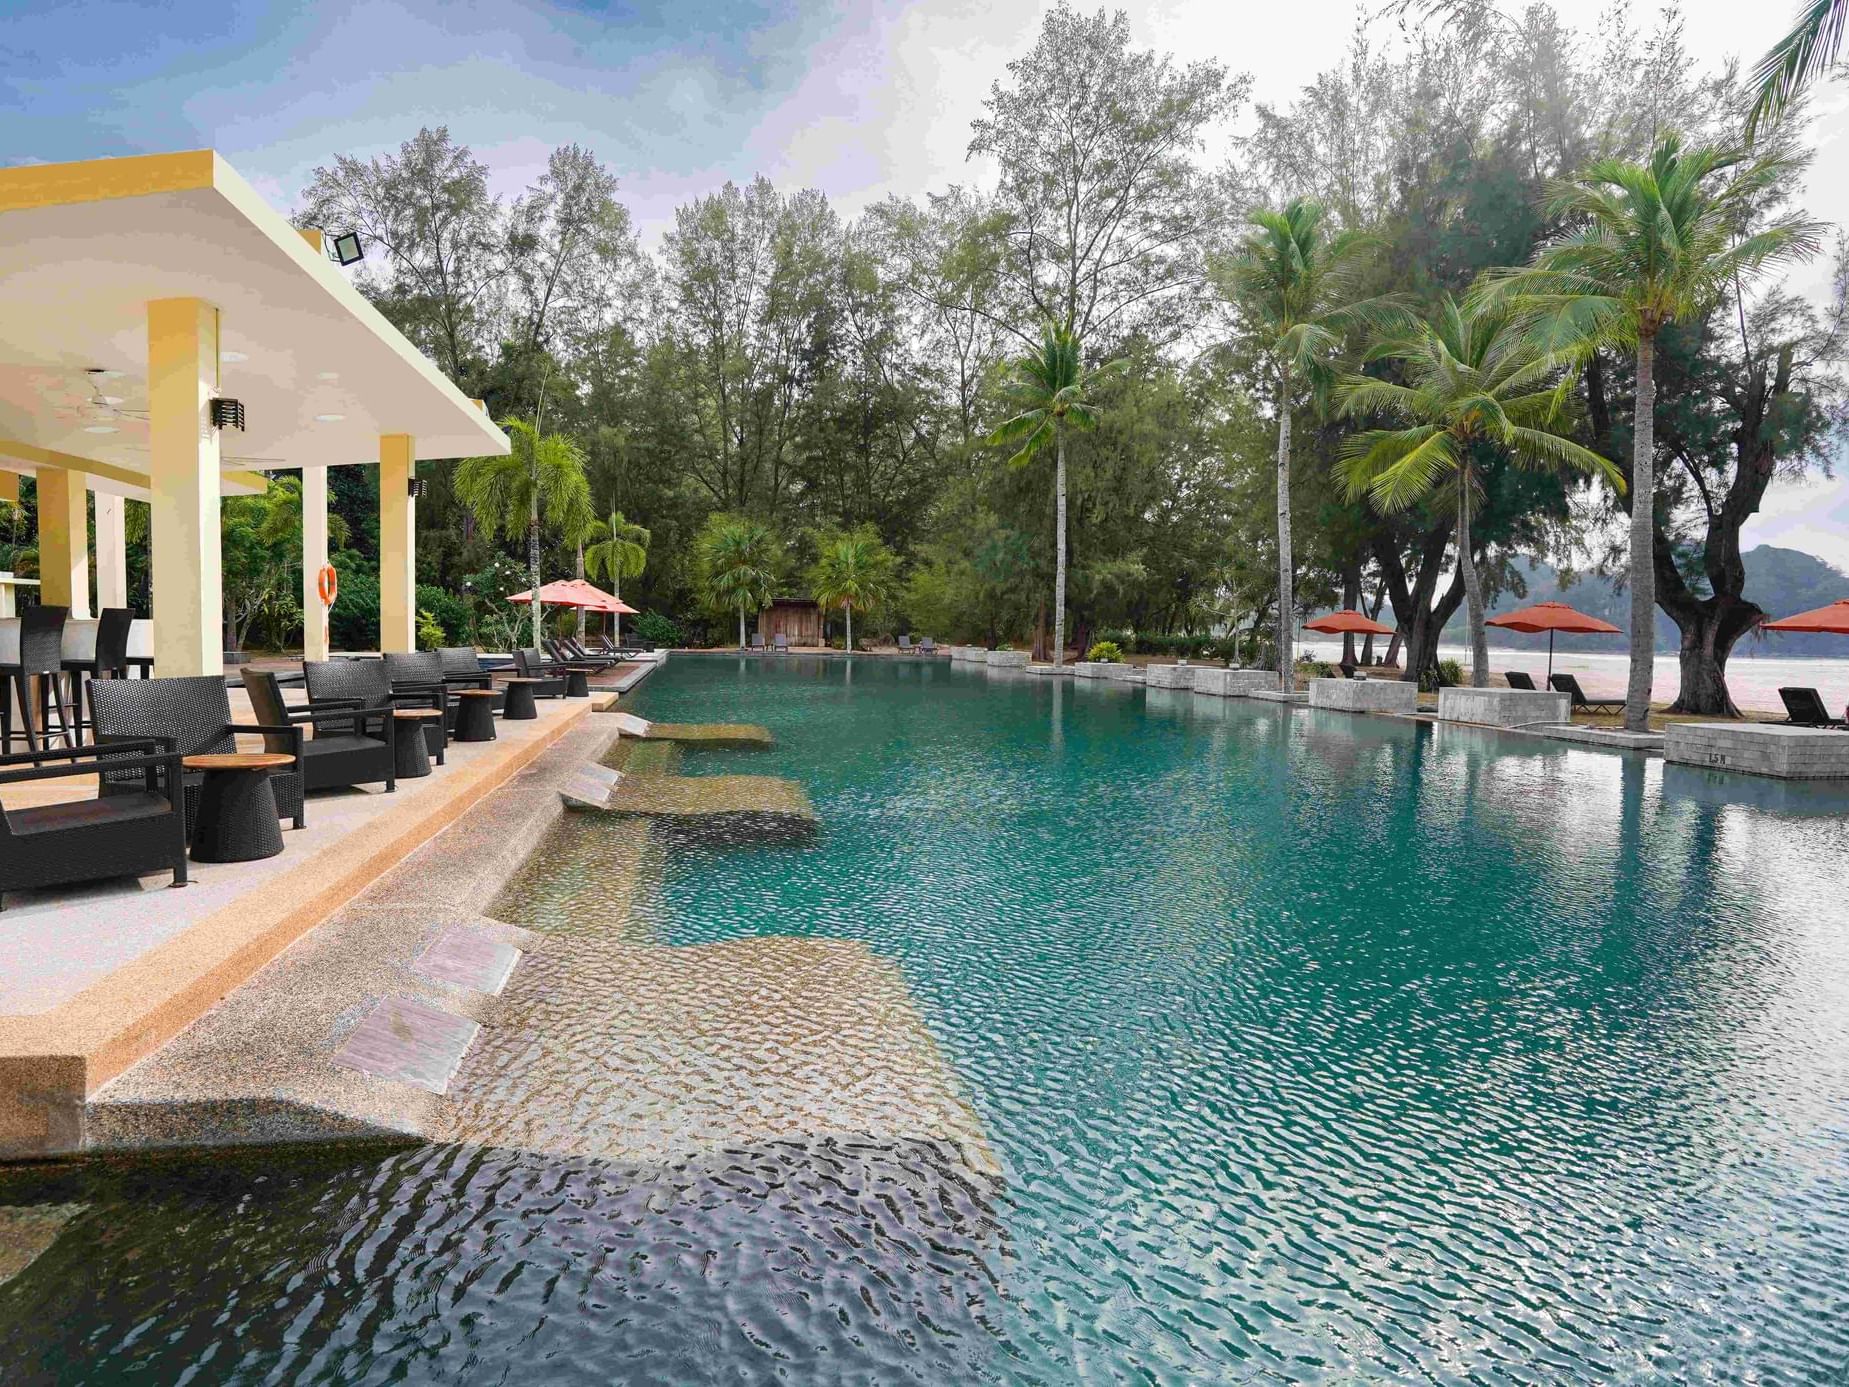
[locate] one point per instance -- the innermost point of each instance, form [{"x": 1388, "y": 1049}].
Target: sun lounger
[
  {"x": 757, "y": 640},
  {"x": 927, "y": 646},
  {"x": 781, "y": 643},
  {"x": 1568, "y": 685},
  {"x": 905, "y": 645},
  {"x": 1518, "y": 680},
  {"x": 1804, "y": 708}
]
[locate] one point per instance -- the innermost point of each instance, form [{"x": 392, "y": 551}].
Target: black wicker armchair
[
  {"x": 192, "y": 717},
  {"x": 339, "y": 754},
  {"x": 135, "y": 829},
  {"x": 365, "y": 685},
  {"x": 420, "y": 675},
  {"x": 549, "y": 679},
  {"x": 463, "y": 669}
]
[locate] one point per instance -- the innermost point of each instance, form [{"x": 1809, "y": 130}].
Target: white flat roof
[{"x": 84, "y": 247}]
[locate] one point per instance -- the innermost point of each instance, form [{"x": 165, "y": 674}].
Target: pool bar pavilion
[{"x": 167, "y": 336}]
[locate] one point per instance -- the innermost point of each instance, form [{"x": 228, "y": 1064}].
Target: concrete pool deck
[{"x": 99, "y": 978}]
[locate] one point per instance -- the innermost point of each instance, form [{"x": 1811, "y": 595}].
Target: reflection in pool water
[{"x": 1312, "y": 1047}]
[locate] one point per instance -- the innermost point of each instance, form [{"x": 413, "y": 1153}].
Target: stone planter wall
[
  {"x": 1788, "y": 753},
  {"x": 1127, "y": 674},
  {"x": 1364, "y": 695},
  {"x": 1170, "y": 676},
  {"x": 1007, "y": 659},
  {"x": 1502, "y": 707},
  {"x": 1091, "y": 669},
  {"x": 1233, "y": 683}
]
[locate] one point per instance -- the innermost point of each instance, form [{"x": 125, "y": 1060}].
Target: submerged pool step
[
  {"x": 736, "y": 736},
  {"x": 409, "y": 1041},
  {"x": 759, "y": 802}
]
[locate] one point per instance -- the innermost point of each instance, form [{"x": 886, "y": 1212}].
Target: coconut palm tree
[
  {"x": 1647, "y": 245},
  {"x": 853, "y": 570},
  {"x": 1296, "y": 287},
  {"x": 543, "y": 475},
  {"x": 1476, "y": 392},
  {"x": 1806, "y": 53},
  {"x": 1047, "y": 392},
  {"x": 618, "y": 550},
  {"x": 737, "y": 559}
]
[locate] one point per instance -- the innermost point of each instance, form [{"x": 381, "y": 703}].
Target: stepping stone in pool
[
  {"x": 409, "y": 1041},
  {"x": 469, "y": 958},
  {"x": 27, "y": 1230}
]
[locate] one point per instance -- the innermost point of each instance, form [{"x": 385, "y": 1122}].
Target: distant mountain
[{"x": 1782, "y": 581}]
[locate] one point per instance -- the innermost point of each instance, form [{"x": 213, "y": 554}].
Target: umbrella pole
[{"x": 1550, "y": 659}]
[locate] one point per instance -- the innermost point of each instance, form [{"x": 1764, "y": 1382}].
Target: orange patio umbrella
[
  {"x": 1346, "y": 621},
  {"x": 1552, "y": 617},
  {"x": 1831, "y": 620},
  {"x": 564, "y": 592}
]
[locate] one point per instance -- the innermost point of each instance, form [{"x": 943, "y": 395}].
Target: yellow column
[
  {"x": 111, "y": 551},
  {"x": 397, "y": 545},
  {"x": 9, "y": 492},
  {"x": 184, "y": 483},
  {"x": 314, "y": 558},
  {"x": 64, "y": 541}
]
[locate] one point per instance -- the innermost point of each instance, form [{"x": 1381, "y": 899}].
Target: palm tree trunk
[
  {"x": 616, "y": 618},
  {"x": 1473, "y": 588},
  {"x": 741, "y": 625},
  {"x": 580, "y": 577},
  {"x": 1287, "y": 678},
  {"x": 532, "y": 564},
  {"x": 848, "y": 607},
  {"x": 1643, "y": 521},
  {"x": 1059, "y": 544}
]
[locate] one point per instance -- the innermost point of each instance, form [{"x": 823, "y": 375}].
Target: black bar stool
[
  {"x": 40, "y": 653},
  {"x": 95, "y": 650}
]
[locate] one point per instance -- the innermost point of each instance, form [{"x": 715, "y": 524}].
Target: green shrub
[
  {"x": 449, "y": 612},
  {"x": 1106, "y": 653},
  {"x": 658, "y": 630},
  {"x": 429, "y": 631},
  {"x": 1451, "y": 670},
  {"x": 353, "y": 624}
]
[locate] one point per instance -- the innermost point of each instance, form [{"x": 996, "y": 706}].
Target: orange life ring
[{"x": 327, "y": 583}]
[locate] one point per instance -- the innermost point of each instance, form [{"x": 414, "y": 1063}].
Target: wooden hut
[{"x": 798, "y": 619}]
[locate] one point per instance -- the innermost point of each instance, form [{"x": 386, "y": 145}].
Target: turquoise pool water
[{"x": 1315, "y": 1048}]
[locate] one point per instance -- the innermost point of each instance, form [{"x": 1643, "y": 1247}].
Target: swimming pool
[{"x": 1312, "y": 1047}]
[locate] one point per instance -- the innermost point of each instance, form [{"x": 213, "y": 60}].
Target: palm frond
[{"x": 1795, "y": 61}]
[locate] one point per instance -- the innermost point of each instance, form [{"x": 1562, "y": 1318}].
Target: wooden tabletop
[
  {"x": 236, "y": 761},
  {"x": 522, "y": 679},
  {"x": 472, "y": 693},
  {"x": 417, "y": 712}
]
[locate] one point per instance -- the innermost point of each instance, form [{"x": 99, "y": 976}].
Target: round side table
[
  {"x": 236, "y": 819},
  {"x": 520, "y": 705},
  {"x": 577, "y": 685},
  {"x": 474, "y": 715},
  {"x": 410, "y": 748}
]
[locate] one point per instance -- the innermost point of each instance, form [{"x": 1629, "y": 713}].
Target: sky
[{"x": 860, "y": 98}]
